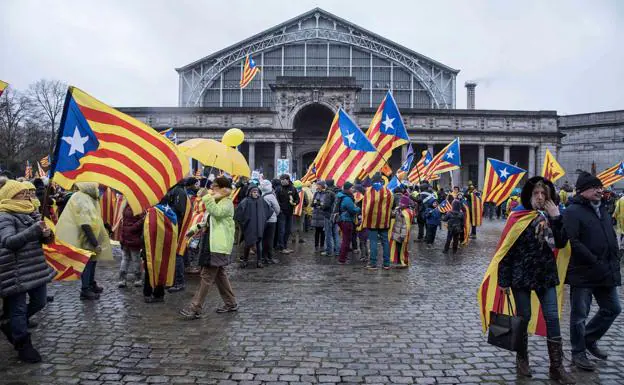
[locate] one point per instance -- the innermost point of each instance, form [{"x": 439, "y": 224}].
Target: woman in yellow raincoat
[{"x": 81, "y": 225}]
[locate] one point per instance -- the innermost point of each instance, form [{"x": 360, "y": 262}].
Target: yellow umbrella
[{"x": 215, "y": 154}]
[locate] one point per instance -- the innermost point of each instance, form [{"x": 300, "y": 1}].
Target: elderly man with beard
[{"x": 594, "y": 270}]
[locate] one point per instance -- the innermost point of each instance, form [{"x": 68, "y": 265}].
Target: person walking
[
  {"x": 288, "y": 199},
  {"x": 433, "y": 216},
  {"x": 347, "y": 210},
  {"x": 216, "y": 247},
  {"x": 271, "y": 226},
  {"x": 530, "y": 265},
  {"x": 23, "y": 268},
  {"x": 376, "y": 214},
  {"x": 594, "y": 270},
  {"x": 252, "y": 214},
  {"x": 318, "y": 217},
  {"x": 331, "y": 228},
  {"x": 131, "y": 246},
  {"x": 455, "y": 225}
]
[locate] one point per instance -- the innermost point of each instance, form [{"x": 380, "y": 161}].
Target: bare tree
[{"x": 47, "y": 98}]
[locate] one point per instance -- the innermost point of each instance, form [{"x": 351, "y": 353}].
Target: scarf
[
  {"x": 596, "y": 207},
  {"x": 36, "y": 203},
  {"x": 17, "y": 206},
  {"x": 543, "y": 232}
]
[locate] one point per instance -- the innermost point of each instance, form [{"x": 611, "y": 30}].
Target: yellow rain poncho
[
  {"x": 618, "y": 214},
  {"x": 83, "y": 208}
]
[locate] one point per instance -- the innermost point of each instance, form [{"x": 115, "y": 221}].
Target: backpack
[{"x": 335, "y": 213}]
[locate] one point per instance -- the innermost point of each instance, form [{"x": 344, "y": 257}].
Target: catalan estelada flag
[
  {"x": 40, "y": 172},
  {"x": 28, "y": 171},
  {"x": 310, "y": 176},
  {"x": 108, "y": 203},
  {"x": 445, "y": 207},
  {"x": 612, "y": 175},
  {"x": 3, "y": 86},
  {"x": 250, "y": 69},
  {"x": 467, "y": 224},
  {"x": 403, "y": 171},
  {"x": 45, "y": 161},
  {"x": 344, "y": 148},
  {"x": 377, "y": 208},
  {"x": 476, "y": 209},
  {"x": 120, "y": 206},
  {"x": 298, "y": 210},
  {"x": 500, "y": 180},
  {"x": 552, "y": 170},
  {"x": 97, "y": 143},
  {"x": 386, "y": 132},
  {"x": 170, "y": 134},
  {"x": 448, "y": 159},
  {"x": 68, "y": 261},
  {"x": 420, "y": 171},
  {"x": 160, "y": 232},
  {"x": 489, "y": 294},
  {"x": 186, "y": 225}
]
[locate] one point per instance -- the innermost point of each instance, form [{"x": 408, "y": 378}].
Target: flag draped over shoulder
[
  {"x": 377, "y": 208},
  {"x": 97, "y": 143},
  {"x": 108, "y": 203},
  {"x": 342, "y": 151},
  {"x": 186, "y": 225},
  {"x": 68, "y": 261},
  {"x": 160, "y": 232},
  {"x": 551, "y": 169},
  {"x": 476, "y": 209},
  {"x": 467, "y": 224},
  {"x": 249, "y": 71},
  {"x": 500, "y": 180},
  {"x": 3, "y": 86},
  {"x": 490, "y": 295},
  {"x": 612, "y": 175},
  {"x": 386, "y": 132},
  {"x": 399, "y": 252}
]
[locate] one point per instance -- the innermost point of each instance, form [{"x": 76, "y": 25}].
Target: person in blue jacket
[
  {"x": 433, "y": 218},
  {"x": 347, "y": 211}
]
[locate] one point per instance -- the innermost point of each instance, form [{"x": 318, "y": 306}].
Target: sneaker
[
  {"x": 596, "y": 352},
  {"x": 189, "y": 314},
  {"x": 153, "y": 299},
  {"x": 122, "y": 284},
  {"x": 581, "y": 361},
  {"x": 324, "y": 253},
  {"x": 227, "y": 309},
  {"x": 138, "y": 283},
  {"x": 287, "y": 251},
  {"x": 175, "y": 288},
  {"x": 371, "y": 267},
  {"x": 89, "y": 295}
]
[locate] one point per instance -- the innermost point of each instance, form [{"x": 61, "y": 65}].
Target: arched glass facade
[{"x": 373, "y": 73}]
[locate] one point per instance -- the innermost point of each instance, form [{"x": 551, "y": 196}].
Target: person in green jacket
[{"x": 215, "y": 249}]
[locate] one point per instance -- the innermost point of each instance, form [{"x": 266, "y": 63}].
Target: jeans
[
  {"x": 130, "y": 263},
  {"x": 88, "y": 275},
  {"x": 267, "y": 240},
  {"x": 331, "y": 237},
  {"x": 179, "y": 271},
  {"x": 548, "y": 302},
  {"x": 259, "y": 253},
  {"x": 373, "y": 235},
  {"x": 347, "y": 234},
  {"x": 431, "y": 233},
  {"x": 284, "y": 228},
  {"x": 20, "y": 312},
  {"x": 452, "y": 236},
  {"x": 582, "y": 335}
]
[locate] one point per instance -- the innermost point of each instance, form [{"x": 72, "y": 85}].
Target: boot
[
  {"x": 95, "y": 288},
  {"x": 522, "y": 359},
  {"x": 88, "y": 295},
  {"x": 557, "y": 371},
  {"x": 26, "y": 352}
]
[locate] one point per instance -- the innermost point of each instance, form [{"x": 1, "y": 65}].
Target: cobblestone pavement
[{"x": 308, "y": 320}]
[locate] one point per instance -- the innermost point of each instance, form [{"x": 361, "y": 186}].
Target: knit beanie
[
  {"x": 347, "y": 186},
  {"x": 266, "y": 186},
  {"x": 405, "y": 201},
  {"x": 586, "y": 181},
  {"x": 29, "y": 186},
  {"x": 10, "y": 189}
]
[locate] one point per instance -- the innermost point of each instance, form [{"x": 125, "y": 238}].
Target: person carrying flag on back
[
  {"x": 376, "y": 213},
  {"x": 530, "y": 265}
]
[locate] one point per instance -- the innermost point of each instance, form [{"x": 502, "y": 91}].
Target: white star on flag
[
  {"x": 76, "y": 142},
  {"x": 350, "y": 138},
  {"x": 504, "y": 173},
  {"x": 450, "y": 154},
  {"x": 388, "y": 123}
]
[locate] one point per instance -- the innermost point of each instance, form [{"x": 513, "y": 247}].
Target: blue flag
[{"x": 391, "y": 122}]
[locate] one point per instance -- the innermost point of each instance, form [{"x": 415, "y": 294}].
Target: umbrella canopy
[{"x": 215, "y": 154}]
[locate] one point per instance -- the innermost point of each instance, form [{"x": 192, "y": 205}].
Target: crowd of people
[{"x": 214, "y": 221}]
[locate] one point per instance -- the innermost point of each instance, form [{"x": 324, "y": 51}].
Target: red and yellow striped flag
[
  {"x": 299, "y": 208},
  {"x": 97, "y": 143},
  {"x": 186, "y": 225},
  {"x": 552, "y": 170},
  {"x": 28, "y": 171},
  {"x": 399, "y": 252},
  {"x": 467, "y": 224},
  {"x": 612, "y": 175},
  {"x": 500, "y": 180},
  {"x": 108, "y": 202},
  {"x": 3, "y": 86},
  {"x": 250, "y": 70},
  {"x": 489, "y": 293},
  {"x": 68, "y": 261},
  {"x": 476, "y": 209},
  {"x": 377, "y": 208},
  {"x": 120, "y": 205},
  {"x": 160, "y": 232}
]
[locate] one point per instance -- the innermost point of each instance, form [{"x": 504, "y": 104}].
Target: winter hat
[
  {"x": 347, "y": 186},
  {"x": 330, "y": 183},
  {"x": 527, "y": 191},
  {"x": 586, "y": 181},
  {"x": 321, "y": 183},
  {"x": 285, "y": 176},
  {"x": 457, "y": 205},
  {"x": 252, "y": 188},
  {"x": 405, "y": 201},
  {"x": 266, "y": 186},
  {"x": 29, "y": 186},
  {"x": 377, "y": 178},
  {"x": 10, "y": 189}
]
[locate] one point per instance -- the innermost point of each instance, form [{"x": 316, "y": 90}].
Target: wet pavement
[{"x": 305, "y": 321}]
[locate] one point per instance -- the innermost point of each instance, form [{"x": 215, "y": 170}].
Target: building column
[
  {"x": 276, "y": 156},
  {"x": 430, "y": 148},
  {"x": 404, "y": 152},
  {"x": 252, "y": 155},
  {"x": 506, "y": 154},
  {"x": 481, "y": 177},
  {"x": 289, "y": 155},
  {"x": 531, "y": 169}
]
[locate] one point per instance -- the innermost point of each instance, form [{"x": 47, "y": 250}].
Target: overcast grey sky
[{"x": 530, "y": 54}]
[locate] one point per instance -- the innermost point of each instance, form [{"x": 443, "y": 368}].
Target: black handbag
[{"x": 506, "y": 331}]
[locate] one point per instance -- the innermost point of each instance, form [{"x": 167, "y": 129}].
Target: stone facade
[{"x": 591, "y": 141}]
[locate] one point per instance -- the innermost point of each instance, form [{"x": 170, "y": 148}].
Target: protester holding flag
[
  {"x": 594, "y": 270},
  {"x": 81, "y": 225},
  {"x": 530, "y": 265}
]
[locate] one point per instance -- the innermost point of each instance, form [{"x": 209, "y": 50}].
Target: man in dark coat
[
  {"x": 253, "y": 214},
  {"x": 332, "y": 240},
  {"x": 594, "y": 269},
  {"x": 288, "y": 198}
]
